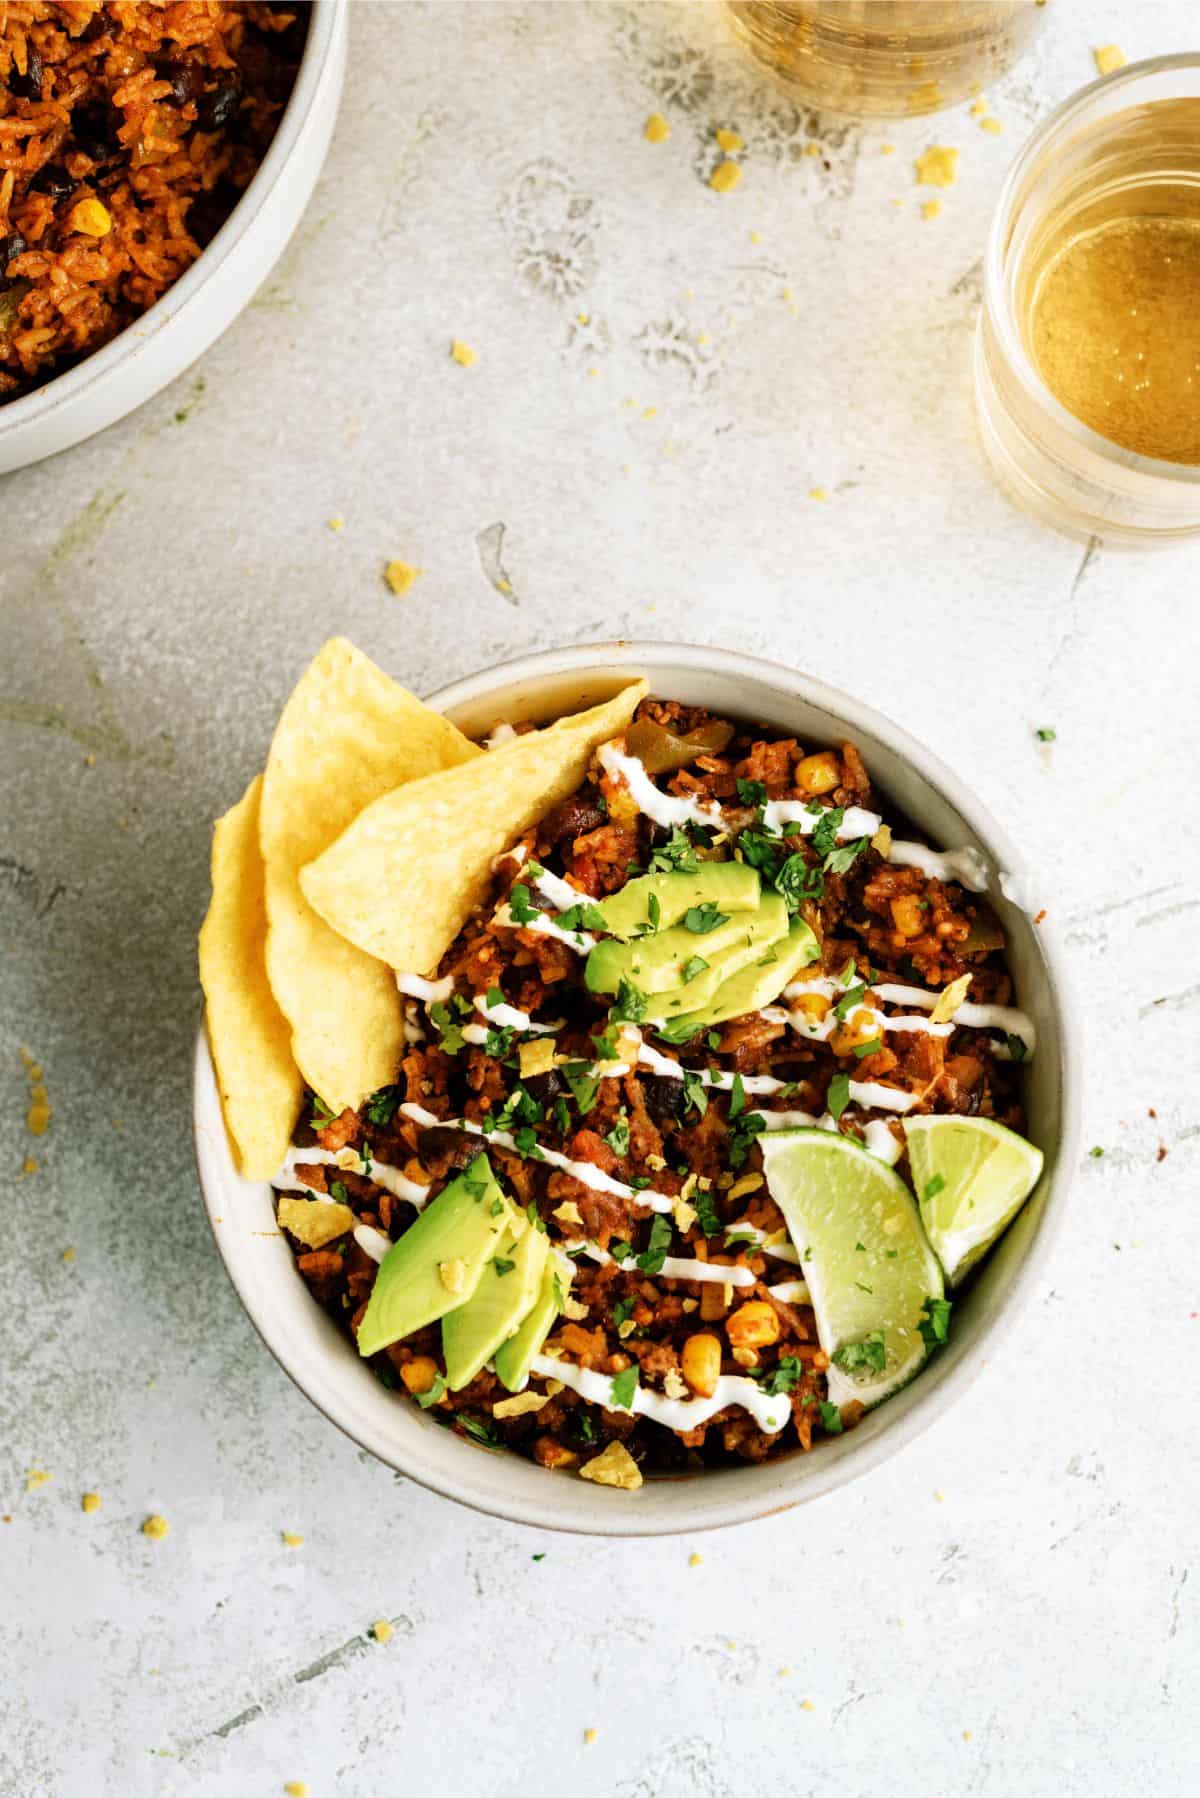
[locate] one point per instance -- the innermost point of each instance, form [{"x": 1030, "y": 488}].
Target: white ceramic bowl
[
  {"x": 324, "y": 1364},
  {"x": 203, "y": 302}
]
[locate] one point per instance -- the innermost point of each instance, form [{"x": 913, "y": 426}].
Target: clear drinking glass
[
  {"x": 885, "y": 58},
  {"x": 1126, "y": 148}
]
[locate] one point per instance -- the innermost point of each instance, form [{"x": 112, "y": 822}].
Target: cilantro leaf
[
  {"x": 850, "y": 998},
  {"x": 584, "y": 1086},
  {"x": 449, "y": 1030},
  {"x": 695, "y": 964},
  {"x": 870, "y": 1352},
  {"x": 676, "y": 855},
  {"x": 935, "y": 1322},
  {"x": 1018, "y": 1048},
  {"x": 630, "y": 1004},
  {"x": 618, "y": 1137},
  {"x": 381, "y": 1107},
  {"x": 742, "y": 1137},
  {"x": 623, "y": 1388},
  {"x": 706, "y": 1213},
  {"x": 435, "y": 1392},
  {"x": 786, "y": 1375},
  {"x": 700, "y": 919},
  {"x": 824, "y": 836},
  {"x": 695, "y": 1097},
  {"x": 831, "y": 1418},
  {"x": 752, "y": 792},
  {"x": 520, "y": 910},
  {"x": 934, "y": 1186},
  {"x": 653, "y": 910},
  {"x": 871, "y": 1048},
  {"x": 655, "y": 1253},
  {"x": 796, "y": 882},
  {"x": 502, "y": 1265},
  {"x": 838, "y": 861},
  {"x": 622, "y": 1311},
  {"x": 584, "y": 916},
  {"x": 838, "y": 1096}
]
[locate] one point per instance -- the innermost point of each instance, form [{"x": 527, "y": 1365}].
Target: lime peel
[{"x": 971, "y": 1175}]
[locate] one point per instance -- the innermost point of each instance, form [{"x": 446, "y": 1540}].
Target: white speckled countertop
[{"x": 663, "y": 375}]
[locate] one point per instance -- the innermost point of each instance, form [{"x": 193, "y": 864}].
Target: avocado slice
[
  {"x": 655, "y": 963},
  {"x": 730, "y": 886},
  {"x": 760, "y": 930},
  {"x": 513, "y": 1358},
  {"x": 752, "y": 987},
  {"x": 462, "y": 1225},
  {"x": 510, "y": 1285}
]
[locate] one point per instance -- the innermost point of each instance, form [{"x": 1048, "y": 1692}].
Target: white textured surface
[{"x": 1008, "y": 1609}]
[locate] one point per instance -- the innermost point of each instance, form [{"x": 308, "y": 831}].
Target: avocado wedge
[
  {"x": 513, "y": 1358},
  {"x": 655, "y": 963},
  {"x": 730, "y": 886},
  {"x": 761, "y": 930},
  {"x": 438, "y": 1263},
  {"x": 507, "y": 1289},
  {"x": 751, "y": 987}
]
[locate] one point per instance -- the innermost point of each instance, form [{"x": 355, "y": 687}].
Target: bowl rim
[
  {"x": 617, "y": 1521},
  {"x": 316, "y": 62}
]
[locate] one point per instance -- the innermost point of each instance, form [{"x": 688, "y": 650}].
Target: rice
[{"x": 128, "y": 131}]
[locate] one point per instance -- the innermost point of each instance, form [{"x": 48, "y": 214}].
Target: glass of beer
[
  {"x": 1087, "y": 352},
  {"x": 885, "y": 58}
]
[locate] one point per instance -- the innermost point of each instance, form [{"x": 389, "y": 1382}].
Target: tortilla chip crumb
[
  {"x": 90, "y": 1502},
  {"x": 691, "y": 1305},
  {"x": 291, "y": 1540},
  {"x": 725, "y": 177},
  {"x": 537, "y": 1057},
  {"x": 992, "y": 125},
  {"x": 684, "y": 1215},
  {"x": 887, "y": 149},
  {"x": 573, "y": 1311},
  {"x": 68, "y": 1253},
  {"x": 156, "y": 1528},
  {"x": 401, "y": 575},
  {"x": 29, "y": 1165},
  {"x": 615, "y": 1467},
  {"x": 462, "y": 353},
  {"x": 881, "y": 842},
  {"x": 36, "y": 1478},
  {"x": 808, "y": 1705},
  {"x": 967, "y": 1734},
  {"x": 756, "y": 237},
  {"x": 694, "y": 1559},
  {"x": 656, "y": 130},
  {"x": 337, "y": 524},
  {"x": 949, "y": 1000},
  {"x": 1110, "y": 57},
  {"x": 674, "y": 1384},
  {"x": 295, "y": 1788},
  {"x": 937, "y": 166},
  {"x": 522, "y": 1404},
  {"x": 747, "y": 1183},
  {"x": 453, "y": 1275},
  {"x": 931, "y": 209},
  {"x": 819, "y": 493},
  {"x": 650, "y": 412},
  {"x": 568, "y": 1213},
  {"x": 940, "y": 1497},
  {"x": 37, "y": 1117},
  {"x": 590, "y": 1736},
  {"x": 382, "y": 1630},
  {"x": 729, "y": 140}
]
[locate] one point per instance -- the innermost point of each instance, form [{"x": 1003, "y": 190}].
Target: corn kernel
[
  {"x": 906, "y": 915},
  {"x": 419, "y": 1373},
  {"x": 753, "y": 1325},
  {"x": 91, "y": 217},
  {"x": 701, "y": 1363},
  {"x": 819, "y": 773}
]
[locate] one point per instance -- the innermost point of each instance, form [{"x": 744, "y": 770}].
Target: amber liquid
[
  {"x": 885, "y": 58},
  {"x": 1111, "y": 285}
]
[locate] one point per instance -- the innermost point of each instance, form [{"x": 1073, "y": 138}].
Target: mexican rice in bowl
[
  {"x": 129, "y": 130},
  {"x": 637, "y": 1094}
]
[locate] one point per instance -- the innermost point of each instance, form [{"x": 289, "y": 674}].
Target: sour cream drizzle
[
  {"x": 584, "y": 1171},
  {"x": 964, "y": 865},
  {"x": 390, "y": 1178},
  {"x": 372, "y": 1242},
  {"x": 430, "y": 992},
  {"x": 674, "y": 1267},
  {"x": 770, "y": 1414}
]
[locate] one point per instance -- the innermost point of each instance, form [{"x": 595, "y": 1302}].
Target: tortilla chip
[
  {"x": 347, "y": 735},
  {"x": 314, "y": 1222},
  {"x": 259, "y": 1082},
  {"x": 403, "y": 879}
]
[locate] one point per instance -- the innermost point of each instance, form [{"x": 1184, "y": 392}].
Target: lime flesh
[
  {"x": 869, "y": 1268},
  {"x": 971, "y": 1176}
]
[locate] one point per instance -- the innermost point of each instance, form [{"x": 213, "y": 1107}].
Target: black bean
[
  {"x": 29, "y": 85},
  {"x": 52, "y": 179},
  {"x": 665, "y": 1098},
  {"x": 94, "y": 128},
  {"x": 546, "y": 1087},
  {"x": 219, "y": 105},
  {"x": 582, "y": 812},
  {"x": 186, "y": 78}
]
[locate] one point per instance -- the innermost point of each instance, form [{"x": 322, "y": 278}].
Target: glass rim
[{"x": 999, "y": 313}]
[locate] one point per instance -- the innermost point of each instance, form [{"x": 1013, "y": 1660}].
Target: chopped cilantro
[
  {"x": 695, "y": 964},
  {"x": 796, "y": 882},
  {"x": 737, "y": 1097},
  {"x": 520, "y": 910},
  {"x": 498, "y": 1040},
  {"x": 618, "y": 1137},
  {"x": 1018, "y": 1048},
  {"x": 871, "y": 1048},
  {"x": 496, "y": 1207},
  {"x": 502, "y": 1265},
  {"x": 653, "y": 910},
  {"x": 714, "y": 1039},
  {"x": 540, "y": 1557},
  {"x": 863, "y": 1287},
  {"x": 338, "y": 1191},
  {"x": 584, "y": 916},
  {"x": 706, "y": 1214},
  {"x": 761, "y": 851},
  {"x": 824, "y": 836},
  {"x": 742, "y": 1137},
  {"x": 435, "y": 1392},
  {"x": 448, "y": 1028},
  {"x": 935, "y": 1322},
  {"x": 694, "y": 1095},
  {"x": 623, "y": 1388},
  {"x": 381, "y": 1107},
  {"x": 320, "y": 1114},
  {"x": 675, "y": 855},
  {"x": 630, "y": 1004},
  {"x": 933, "y": 1187},
  {"x": 752, "y": 792},
  {"x": 558, "y": 1289},
  {"x": 584, "y": 1086},
  {"x": 622, "y": 1311},
  {"x": 838, "y": 1096},
  {"x": 493, "y": 997},
  {"x": 619, "y": 1250},
  {"x": 870, "y": 1352},
  {"x": 526, "y": 1143},
  {"x": 838, "y": 861},
  {"x": 700, "y": 919},
  {"x": 849, "y": 1000},
  {"x": 1046, "y": 734},
  {"x": 562, "y": 1117},
  {"x": 479, "y": 1429},
  {"x": 655, "y": 1253},
  {"x": 831, "y": 1418},
  {"x": 786, "y": 1375}
]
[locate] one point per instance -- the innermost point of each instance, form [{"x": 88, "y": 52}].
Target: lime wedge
[
  {"x": 869, "y": 1269},
  {"x": 971, "y": 1176}
]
